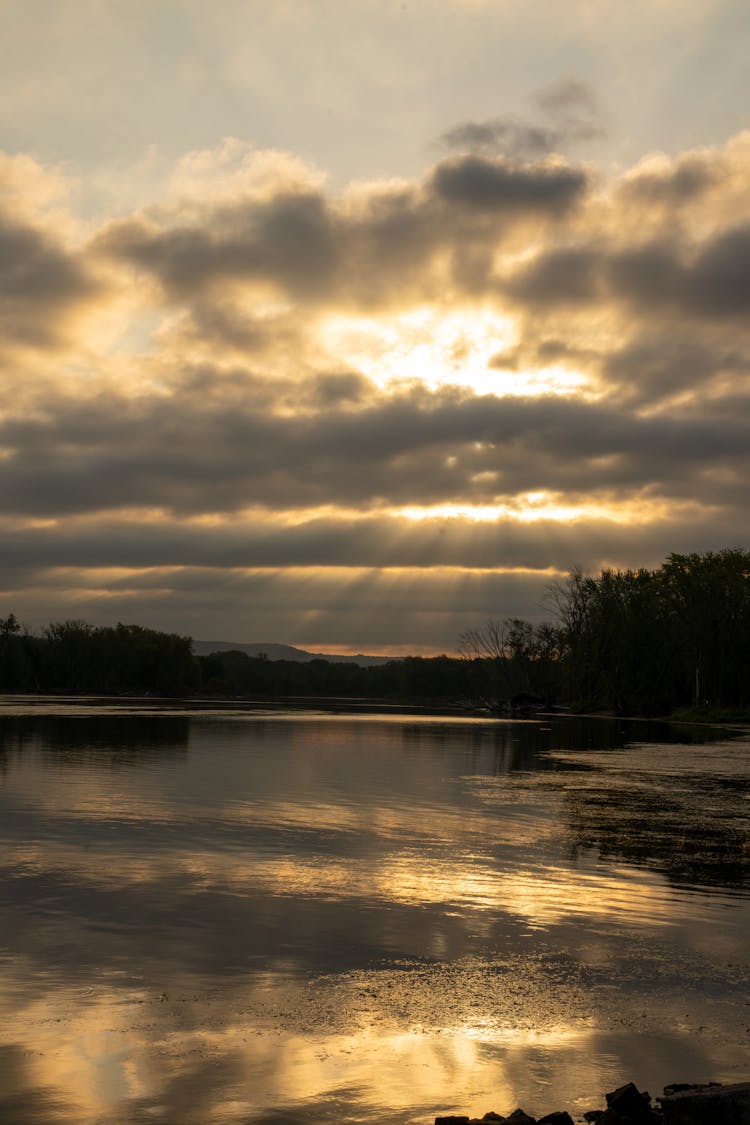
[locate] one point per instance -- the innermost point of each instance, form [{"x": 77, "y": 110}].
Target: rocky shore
[{"x": 681, "y": 1104}]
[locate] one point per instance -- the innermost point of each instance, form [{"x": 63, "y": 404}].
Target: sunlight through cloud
[{"x": 440, "y": 348}]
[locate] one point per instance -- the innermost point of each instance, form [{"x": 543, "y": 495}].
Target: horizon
[{"x": 331, "y": 650}]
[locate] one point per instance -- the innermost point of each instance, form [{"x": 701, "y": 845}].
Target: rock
[
  {"x": 677, "y": 1087},
  {"x": 612, "y": 1117},
  {"x": 628, "y": 1101},
  {"x": 680, "y": 1104},
  {"x": 629, "y": 1104},
  {"x": 709, "y": 1104}
]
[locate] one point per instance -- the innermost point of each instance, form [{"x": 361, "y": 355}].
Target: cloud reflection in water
[{"x": 354, "y": 918}]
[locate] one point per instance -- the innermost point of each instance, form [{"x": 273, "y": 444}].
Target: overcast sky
[{"x": 353, "y": 324}]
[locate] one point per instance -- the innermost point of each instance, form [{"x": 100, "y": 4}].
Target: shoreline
[{"x": 681, "y": 1103}]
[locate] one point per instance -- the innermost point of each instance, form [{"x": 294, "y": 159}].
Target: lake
[{"x": 220, "y": 914}]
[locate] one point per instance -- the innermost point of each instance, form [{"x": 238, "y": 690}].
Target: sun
[{"x": 472, "y": 348}]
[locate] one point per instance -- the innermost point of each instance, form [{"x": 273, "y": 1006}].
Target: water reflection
[
  {"x": 251, "y": 919},
  {"x": 685, "y": 815},
  {"x": 98, "y": 740}
]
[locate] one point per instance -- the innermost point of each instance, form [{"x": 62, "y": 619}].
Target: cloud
[
  {"x": 718, "y": 281},
  {"x": 197, "y": 453},
  {"x": 236, "y": 170},
  {"x": 47, "y": 282},
  {"x": 391, "y": 610},
  {"x": 570, "y": 114},
  {"x": 500, "y": 186},
  {"x": 655, "y": 277},
  {"x": 149, "y": 544},
  {"x": 509, "y": 135},
  {"x": 566, "y": 98},
  {"x": 287, "y": 239},
  {"x": 30, "y": 191},
  {"x": 658, "y": 181},
  {"x": 659, "y": 365},
  {"x": 42, "y": 286},
  {"x": 559, "y": 277},
  {"x": 712, "y": 283},
  {"x": 691, "y": 194},
  {"x": 303, "y": 395},
  {"x": 365, "y": 248}
]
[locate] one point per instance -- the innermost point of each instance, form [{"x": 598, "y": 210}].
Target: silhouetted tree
[{"x": 649, "y": 641}]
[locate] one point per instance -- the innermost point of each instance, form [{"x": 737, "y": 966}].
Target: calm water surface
[{"x": 238, "y": 916}]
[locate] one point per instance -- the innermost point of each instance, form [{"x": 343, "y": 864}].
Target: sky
[{"x": 353, "y": 325}]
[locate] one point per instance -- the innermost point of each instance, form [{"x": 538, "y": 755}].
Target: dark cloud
[
  {"x": 405, "y": 244},
  {"x": 648, "y": 276},
  {"x": 718, "y": 283},
  {"x": 567, "y": 96},
  {"x": 509, "y": 135},
  {"x": 501, "y": 186},
  {"x": 200, "y": 455},
  {"x": 713, "y": 283},
  {"x": 560, "y": 277},
  {"x": 658, "y": 278},
  {"x": 328, "y": 391},
  {"x": 570, "y": 115},
  {"x": 229, "y": 327},
  {"x": 378, "y": 540},
  {"x": 289, "y": 239},
  {"x": 673, "y": 186},
  {"x": 658, "y": 366},
  {"x": 40, "y": 285},
  {"x": 318, "y": 251}
]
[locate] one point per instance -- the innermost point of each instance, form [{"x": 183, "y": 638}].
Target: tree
[
  {"x": 650, "y": 640},
  {"x": 16, "y": 667},
  {"x": 526, "y": 658}
]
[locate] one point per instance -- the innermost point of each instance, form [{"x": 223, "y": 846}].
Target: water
[{"x": 238, "y": 916}]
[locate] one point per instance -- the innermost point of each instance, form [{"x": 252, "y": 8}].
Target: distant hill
[{"x": 284, "y": 652}]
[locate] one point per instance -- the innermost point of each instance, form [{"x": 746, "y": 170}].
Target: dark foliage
[
  {"x": 638, "y": 641},
  {"x": 440, "y": 678},
  {"x": 650, "y": 641},
  {"x": 74, "y": 657}
]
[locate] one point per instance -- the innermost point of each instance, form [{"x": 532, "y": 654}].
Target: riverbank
[{"x": 680, "y": 1104}]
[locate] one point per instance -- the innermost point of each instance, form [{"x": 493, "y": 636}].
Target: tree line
[
  {"x": 75, "y": 657},
  {"x": 650, "y": 641},
  {"x": 634, "y": 641},
  {"x": 642, "y": 641}
]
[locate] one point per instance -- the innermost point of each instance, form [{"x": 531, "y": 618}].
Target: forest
[{"x": 641, "y": 642}]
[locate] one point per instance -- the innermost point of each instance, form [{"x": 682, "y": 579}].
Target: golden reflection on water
[
  {"x": 96, "y": 1054},
  {"x": 500, "y": 951},
  {"x": 542, "y": 895},
  {"x": 152, "y": 1052}
]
